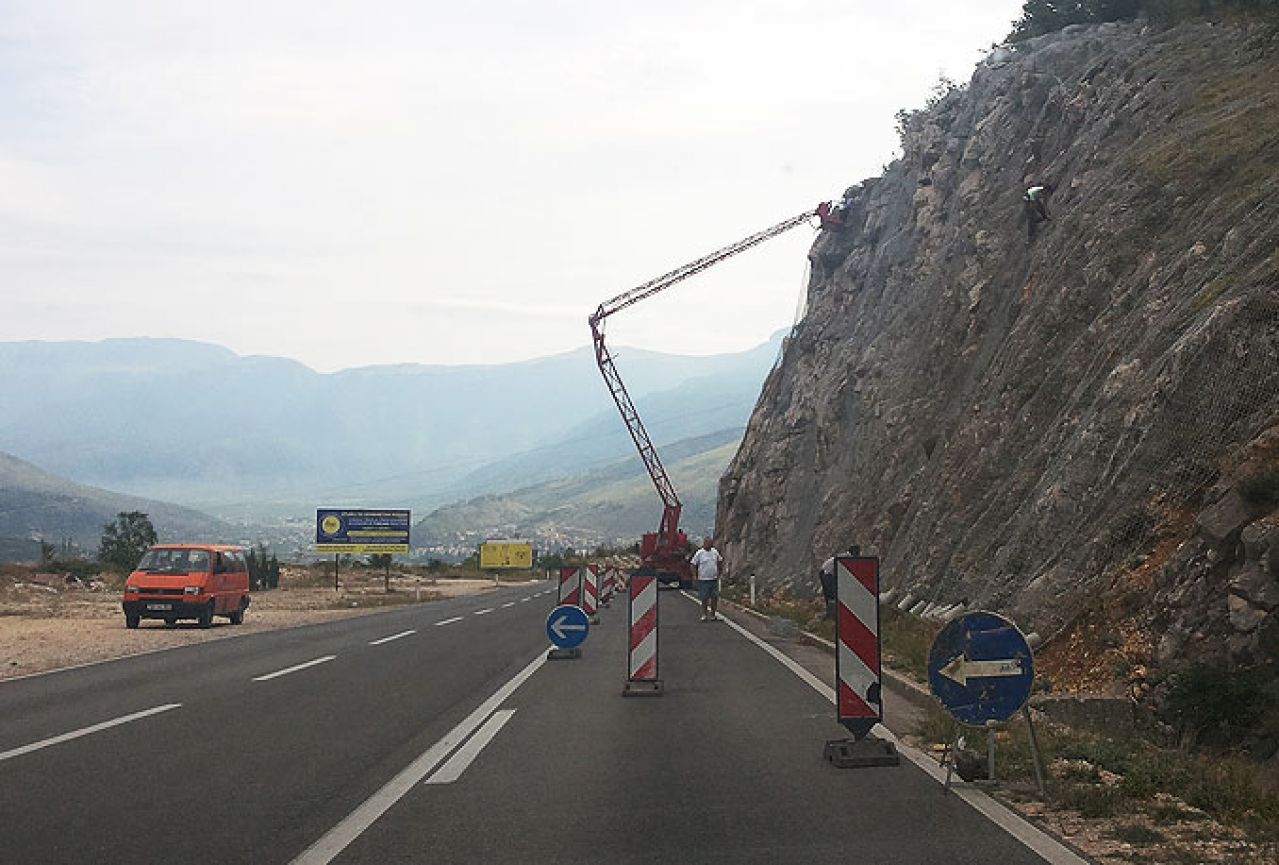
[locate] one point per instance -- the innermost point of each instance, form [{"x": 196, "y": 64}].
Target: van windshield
[{"x": 174, "y": 562}]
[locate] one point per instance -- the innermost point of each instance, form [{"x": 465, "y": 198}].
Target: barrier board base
[
  {"x": 563, "y": 654},
  {"x": 643, "y": 689},
  {"x": 861, "y": 753}
]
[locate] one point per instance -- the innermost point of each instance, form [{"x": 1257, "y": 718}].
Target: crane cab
[{"x": 666, "y": 562}]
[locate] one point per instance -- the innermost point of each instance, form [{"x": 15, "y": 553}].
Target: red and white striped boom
[{"x": 669, "y": 528}]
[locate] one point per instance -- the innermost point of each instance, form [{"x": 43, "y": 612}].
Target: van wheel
[
  {"x": 131, "y": 620},
  {"x": 237, "y": 618},
  {"x": 206, "y": 617}
]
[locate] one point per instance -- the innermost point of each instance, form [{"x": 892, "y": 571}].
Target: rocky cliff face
[{"x": 1030, "y": 424}]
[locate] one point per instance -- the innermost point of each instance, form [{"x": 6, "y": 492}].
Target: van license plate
[{"x": 159, "y": 606}]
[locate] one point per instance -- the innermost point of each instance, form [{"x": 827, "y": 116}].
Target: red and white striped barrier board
[
  {"x": 590, "y": 590},
  {"x": 857, "y": 668},
  {"x": 642, "y": 660},
  {"x": 570, "y": 586},
  {"x": 606, "y": 591}
]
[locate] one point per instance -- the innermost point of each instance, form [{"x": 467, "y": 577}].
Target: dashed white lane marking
[
  {"x": 484, "y": 611},
  {"x": 85, "y": 731},
  {"x": 1048, "y": 848},
  {"x": 449, "y": 621},
  {"x": 278, "y": 673},
  {"x": 525, "y": 600},
  {"x": 340, "y": 836},
  {"x": 465, "y": 756},
  {"x": 508, "y": 604},
  {"x": 398, "y": 636}
]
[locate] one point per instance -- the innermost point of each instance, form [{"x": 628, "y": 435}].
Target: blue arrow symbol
[{"x": 558, "y": 627}]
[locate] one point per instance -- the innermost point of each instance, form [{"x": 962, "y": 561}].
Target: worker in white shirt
[{"x": 707, "y": 562}]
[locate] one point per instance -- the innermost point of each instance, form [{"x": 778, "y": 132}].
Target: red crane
[{"x": 663, "y": 551}]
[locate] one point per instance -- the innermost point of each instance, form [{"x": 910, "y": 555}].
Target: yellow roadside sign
[{"x": 506, "y": 554}]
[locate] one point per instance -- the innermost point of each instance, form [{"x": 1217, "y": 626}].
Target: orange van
[{"x": 188, "y": 581}]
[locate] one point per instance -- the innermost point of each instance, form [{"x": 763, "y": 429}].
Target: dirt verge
[{"x": 48, "y": 622}]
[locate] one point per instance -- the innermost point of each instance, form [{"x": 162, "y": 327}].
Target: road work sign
[
  {"x": 567, "y": 626},
  {"x": 570, "y": 586},
  {"x": 496, "y": 555},
  {"x": 641, "y": 659},
  {"x": 362, "y": 532},
  {"x": 858, "y": 705},
  {"x": 981, "y": 668},
  {"x": 591, "y": 591}
]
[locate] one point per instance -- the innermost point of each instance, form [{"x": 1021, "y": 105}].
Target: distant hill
[
  {"x": 36, "y": 505},
  {"x": 613, "y": 502},
  {"x": 201, "y": 425}
]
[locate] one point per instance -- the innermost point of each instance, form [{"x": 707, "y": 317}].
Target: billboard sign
[
  {"x": 362, "y": 532},
  {"x": 506, "y": 554}
]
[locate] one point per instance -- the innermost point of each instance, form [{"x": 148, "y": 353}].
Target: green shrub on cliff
[{"x": 1048, "y": 16}]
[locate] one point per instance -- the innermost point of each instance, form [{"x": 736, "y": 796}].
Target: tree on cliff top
[{"x": 1048, "y": 16}]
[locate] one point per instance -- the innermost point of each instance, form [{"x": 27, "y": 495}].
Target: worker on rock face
[{"x": 1036, "y": 205}]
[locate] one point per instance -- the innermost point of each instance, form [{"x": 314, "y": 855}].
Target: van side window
[
  {"x": 222, "y": 565},
  {"x": 241, "y": 564}
]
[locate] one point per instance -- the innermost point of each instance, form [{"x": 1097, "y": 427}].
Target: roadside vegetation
[
  {"x": 1186, "y": 782},
  {"x": 1040, "y": 17},
  {"x": 1135, "y": 775}
]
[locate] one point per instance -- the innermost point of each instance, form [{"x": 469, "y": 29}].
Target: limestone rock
[
  {"x": 1016, "y": 422},
  {"x": 1244, "y": 617}
]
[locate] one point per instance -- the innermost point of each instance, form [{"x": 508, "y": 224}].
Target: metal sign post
[
  {"x": 858, "y": 702},
  {"x": 641, "y": 658},
  {"x": 982, "y": 670}
]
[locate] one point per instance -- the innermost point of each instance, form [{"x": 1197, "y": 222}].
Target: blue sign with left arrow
[
  {"x": 981, "y": 668},
  {"x": 567, "y": 626}
]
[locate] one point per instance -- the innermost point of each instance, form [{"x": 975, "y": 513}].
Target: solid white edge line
[
  {"x": 485, "y": 611},
  {"x": 398, "y": 636},
  {"x": 266, "y": 677},
  {"x": 1047, "y": 847},
  {"x": 449, "y": 621},
  {"x": 85, "y": 731},
  {"x": 463, "y": 757},
  {"x": 366, "y": 814}
]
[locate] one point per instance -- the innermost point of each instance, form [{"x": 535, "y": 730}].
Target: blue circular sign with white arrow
[
  {"x": 981, "y": 668},
  {"x": 567, "y": 626}
]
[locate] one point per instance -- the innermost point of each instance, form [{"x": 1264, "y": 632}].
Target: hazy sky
[{"x": 351, "y": 183}]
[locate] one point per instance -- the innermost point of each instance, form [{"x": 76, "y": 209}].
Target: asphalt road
[{"x": 456, "y": 742}]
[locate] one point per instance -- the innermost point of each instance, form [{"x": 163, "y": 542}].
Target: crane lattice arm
[{"x": 647, "y": 452}]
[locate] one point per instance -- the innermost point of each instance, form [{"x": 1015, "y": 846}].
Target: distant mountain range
[
  {"x": 36, "y": 505},
  {"x": 611, "y": 503},
  {"x": 248, "y": 438}
]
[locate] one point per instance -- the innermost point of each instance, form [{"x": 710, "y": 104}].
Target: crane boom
[{"x": 663, "y": 552}]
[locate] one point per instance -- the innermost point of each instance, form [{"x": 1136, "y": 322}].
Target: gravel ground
[{"x": 46, "y": 625}]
